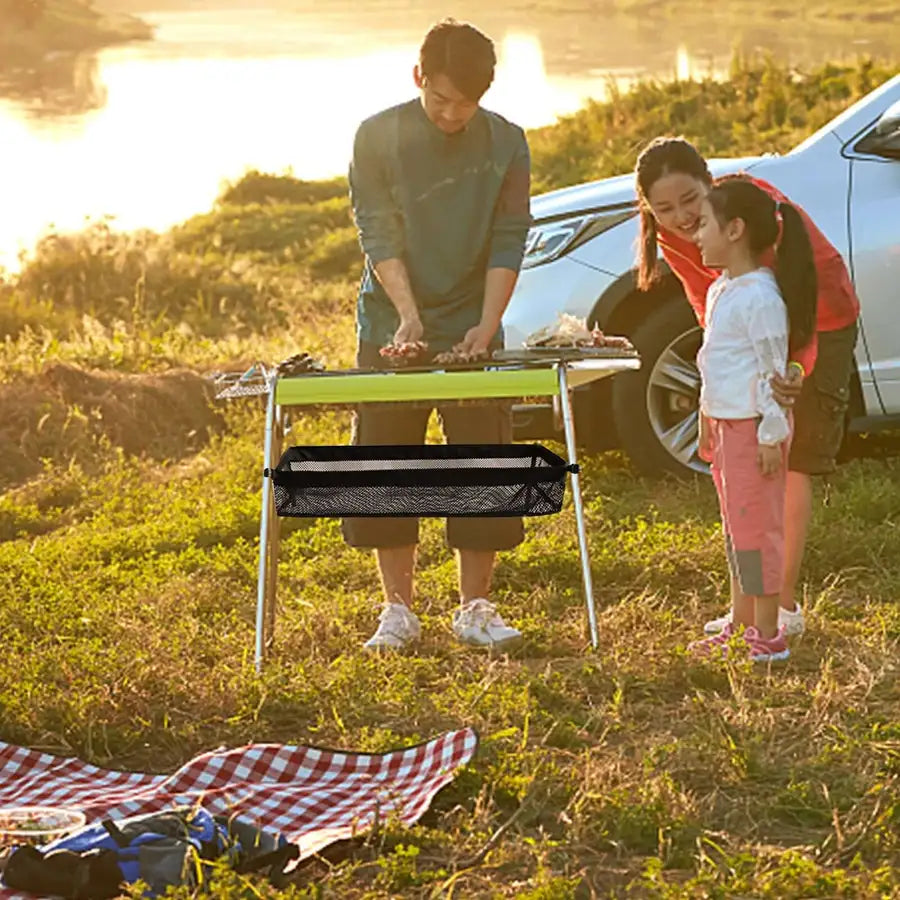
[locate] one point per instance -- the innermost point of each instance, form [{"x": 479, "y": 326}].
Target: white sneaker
[
  {"x": 479, "y": 623},
  {"x": 790, "y": 619},
  {"x": 717, "y": 626},
  {"x": 397, "y": 627}
]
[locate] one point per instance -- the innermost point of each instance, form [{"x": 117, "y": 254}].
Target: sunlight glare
[{"x": 683, "y": 66}]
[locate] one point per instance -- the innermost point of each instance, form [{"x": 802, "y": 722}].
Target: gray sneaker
[
  {"x": 478, "y": 623},
  {"x": 397, "y": 627}
]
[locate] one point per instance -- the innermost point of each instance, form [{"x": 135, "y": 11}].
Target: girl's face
[
  {"x": 675, "y": 201},
  {"x": 716, "y": 242}
]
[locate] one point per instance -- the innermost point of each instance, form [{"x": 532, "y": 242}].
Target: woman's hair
[
  {"x": 734, "y": 197},
  {"x": 662, "y": 156},
  {"x": 462, "y": 53}
]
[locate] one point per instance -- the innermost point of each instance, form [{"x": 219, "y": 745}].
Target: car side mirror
[{"x": 884, "y": 138}]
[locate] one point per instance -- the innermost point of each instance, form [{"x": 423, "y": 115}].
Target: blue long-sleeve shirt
[{"x": 450, "y": 206}]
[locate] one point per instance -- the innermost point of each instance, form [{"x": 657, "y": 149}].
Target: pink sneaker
[
  {"x": 762, "y": 649},
  {"x": 717, "y": 644}
]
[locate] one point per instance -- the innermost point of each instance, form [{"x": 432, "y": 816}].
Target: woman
[{"x": 673, "y": 180}]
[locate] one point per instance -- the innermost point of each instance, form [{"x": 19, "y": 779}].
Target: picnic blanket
[{"x": 310, "y": 795}]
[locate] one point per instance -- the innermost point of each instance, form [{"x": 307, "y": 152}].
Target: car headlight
[{"x": 551, "y": 239}]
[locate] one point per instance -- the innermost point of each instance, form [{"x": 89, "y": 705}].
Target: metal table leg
[
  {"x": 264, "y": 536},
  {"x": 569, "y": 428},
  {"x": 271, "y": 595}
]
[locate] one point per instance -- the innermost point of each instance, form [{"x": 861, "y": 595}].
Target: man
[{"x": 440, "y": 189}]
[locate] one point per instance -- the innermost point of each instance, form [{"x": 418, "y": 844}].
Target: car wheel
[{"x": 655, "y": 408}]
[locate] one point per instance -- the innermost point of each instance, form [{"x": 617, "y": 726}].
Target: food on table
[
  {"x": 616, "y": 341},
  {"x": 572, "y": 332},
  {"x": 403, "y": 353},
  {"x": 459, "y": 357},
  {"x": 298, "y": 364}
]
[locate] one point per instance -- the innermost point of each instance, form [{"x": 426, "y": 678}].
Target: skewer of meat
[
  {"x": 403, "y": 353},
  {"x": 458, "y": 357}
]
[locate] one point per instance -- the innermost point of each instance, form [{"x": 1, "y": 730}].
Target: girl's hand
[
  {"x": 768, "y": 456},
  {"x": 704, "y": 442}
]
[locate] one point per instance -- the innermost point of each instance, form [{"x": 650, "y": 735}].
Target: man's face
[{"x": 446, "y": 107}]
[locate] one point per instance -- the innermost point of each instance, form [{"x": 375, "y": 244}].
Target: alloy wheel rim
[{"x": 673, "y": 397}]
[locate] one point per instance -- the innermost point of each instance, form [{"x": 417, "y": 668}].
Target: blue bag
[{"x": 163, "y": 850}]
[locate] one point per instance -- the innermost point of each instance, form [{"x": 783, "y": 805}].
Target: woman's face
[{"x": 675, "y": 201}]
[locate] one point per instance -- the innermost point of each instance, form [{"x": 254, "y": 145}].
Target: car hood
[{"x": 613, "y": 192}]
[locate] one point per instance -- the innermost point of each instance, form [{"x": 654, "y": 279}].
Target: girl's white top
[{"x": 745, "y": 343}]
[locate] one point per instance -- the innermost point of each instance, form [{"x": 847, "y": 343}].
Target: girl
[
  {"x": 672, "y": 181},
  {"x": 752, "y": 316}
]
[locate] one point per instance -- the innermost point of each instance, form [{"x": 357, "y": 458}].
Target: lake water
[{"x": 148, "y": 133}]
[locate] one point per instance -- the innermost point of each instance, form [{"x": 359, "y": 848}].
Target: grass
[
  {"x": 632, "y": 766},
  {"x": 127, "y": 590}
]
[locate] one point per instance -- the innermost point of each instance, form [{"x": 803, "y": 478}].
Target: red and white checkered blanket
[{"x": 311, "y": 796}]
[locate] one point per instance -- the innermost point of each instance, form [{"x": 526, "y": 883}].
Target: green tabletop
[{"x": 383, "y": 387}]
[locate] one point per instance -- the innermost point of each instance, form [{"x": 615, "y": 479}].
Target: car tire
[{"x": 655, "y": 408}]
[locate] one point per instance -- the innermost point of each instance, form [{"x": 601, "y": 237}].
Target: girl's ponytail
[
  {"x": 736, "y": 197},
  {"x": 795, "y": 272},
  {"x": 647, "y": 264}
]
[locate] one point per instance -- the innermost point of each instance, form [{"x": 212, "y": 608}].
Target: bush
[
  {"x": 763, "y": 107},
  {"x": 140, "y": 278},
  {"x": 18, "y": 314},
  {"x": 258, "y": 187},
  {"x": 258, "y": 228}
]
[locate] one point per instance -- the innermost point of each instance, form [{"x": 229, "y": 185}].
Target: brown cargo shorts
[
  {"x": 820, "y": 411},
  {"x": 404, "y": 423}
]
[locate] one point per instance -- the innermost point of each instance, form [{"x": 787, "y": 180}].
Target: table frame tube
[{"x": 275, "y": 427}]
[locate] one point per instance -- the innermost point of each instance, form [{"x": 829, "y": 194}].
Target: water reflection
[
  {"x": 174, "y": 127},
  {"x": 64, "y": 84}
]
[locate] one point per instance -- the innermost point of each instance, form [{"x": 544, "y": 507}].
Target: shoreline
[{"x": 64, "y": 28}]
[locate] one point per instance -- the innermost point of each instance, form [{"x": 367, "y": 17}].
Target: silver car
[{"x": 580, "y": 257}]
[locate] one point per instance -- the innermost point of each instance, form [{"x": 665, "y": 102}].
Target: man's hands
[
  {"x": 768, "y": 456},
  {"x": 476, "y": 341},
  {"x": 410, "y": 330},
  {"x": 787, "y": 387}
]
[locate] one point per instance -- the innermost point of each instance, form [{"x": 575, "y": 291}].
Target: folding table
[{"x": 548, "y": 378}]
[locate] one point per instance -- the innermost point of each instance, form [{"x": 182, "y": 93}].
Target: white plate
[{"x": 29, "y": 822}]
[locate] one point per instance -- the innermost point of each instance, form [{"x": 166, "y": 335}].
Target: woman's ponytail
[
  {"x": 795, "y": 272},
  {"x": 647, "y": 263}
]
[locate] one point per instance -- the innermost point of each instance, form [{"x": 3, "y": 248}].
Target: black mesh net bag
[{"x": 430, "y": 480}]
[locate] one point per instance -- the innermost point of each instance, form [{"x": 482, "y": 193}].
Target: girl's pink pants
[{"x": 752, "y": 506}]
